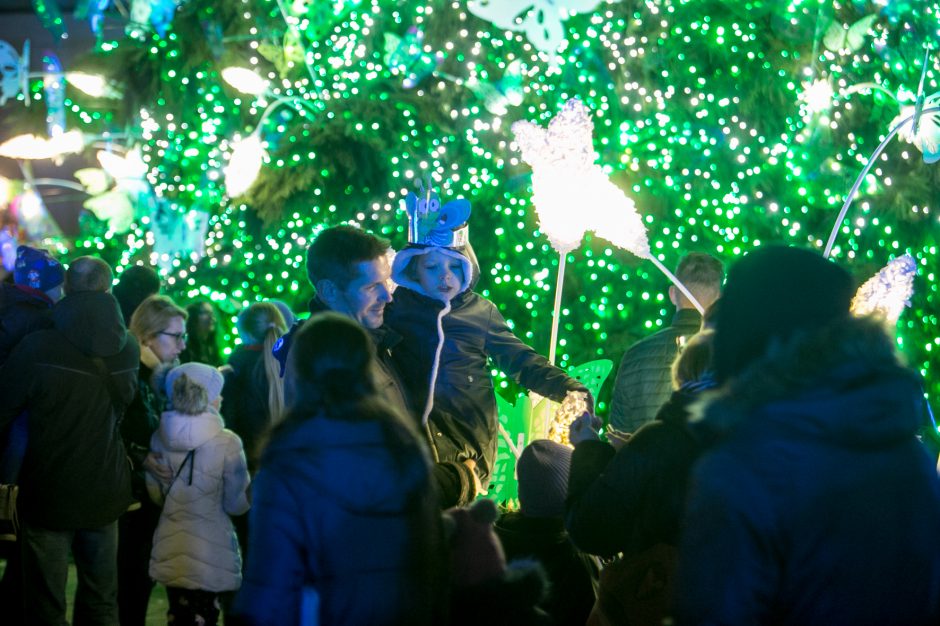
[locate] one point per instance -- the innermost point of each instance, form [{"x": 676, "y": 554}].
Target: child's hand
[
  {"x": 477, "y": 485},
  {"x": 584, "y": 428}
]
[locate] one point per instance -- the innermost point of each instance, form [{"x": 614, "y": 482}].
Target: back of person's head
[
  {"x": 193, "y": 387},
  {"x": 542, "y": 471},
  {"x": 135, "y": 284},
  {"x": 772, "y": 295},
  {"x": 37, "y": 269},
  {"x": 694, "y": 360},
  {"x": 336, "y": 252},
  {"x": 152, "y": 316},
  {"x": 702, "y": 274},
  {"x": 476, "y": 552},
  {"x": 329, "y": 366},
  {"x": 262, "y": 324},
  {"x": 88, "y": 273},
  {"x": 286, "y": 312}
]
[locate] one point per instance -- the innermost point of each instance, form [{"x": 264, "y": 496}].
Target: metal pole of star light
[
  {"x": 556, "y": 310},
  {"x": 914, "y": 119}
]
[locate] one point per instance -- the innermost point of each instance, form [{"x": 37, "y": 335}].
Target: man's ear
[
  {"x": 674, "y": 295},
  {"x": 327, "y": 291}
]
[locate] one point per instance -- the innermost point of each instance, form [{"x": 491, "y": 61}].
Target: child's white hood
[{"x": 187, "y": 432}]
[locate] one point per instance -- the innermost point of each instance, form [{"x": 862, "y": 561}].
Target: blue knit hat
[{"x": 37, "y": 269}]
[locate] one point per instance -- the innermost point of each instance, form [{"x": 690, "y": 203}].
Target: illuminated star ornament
[
  {"x": 571, "y": 193},
  {"x": 887, "y": 293}
]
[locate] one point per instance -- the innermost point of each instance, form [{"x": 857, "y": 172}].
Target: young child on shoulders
[
  {"x": 449, "y": 335},
  {"x": 195, "y": 551}
]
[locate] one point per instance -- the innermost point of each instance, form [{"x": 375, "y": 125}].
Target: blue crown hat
[
  {"x": 433, "y": 226},
  {"x": 430, "y": 224}
]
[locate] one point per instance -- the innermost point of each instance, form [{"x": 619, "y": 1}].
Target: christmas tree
[{"x": 730, "y": 124}]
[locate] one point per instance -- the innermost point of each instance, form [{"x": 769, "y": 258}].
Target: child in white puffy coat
[{"x": 195, "y": 550}]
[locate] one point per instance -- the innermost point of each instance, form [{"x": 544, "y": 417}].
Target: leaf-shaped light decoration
[
  {"x": 571, "y": 193},
  {"x": 927, "y": 137},
  {"x": 244, "y": 165},
  {"x": 887, "y": 293},
  {"x": 94, "y": 180},
  {"x": 851, "y": 38},
  {"x": 113, "y": 207},
  {"x": 540, "y": 20}
]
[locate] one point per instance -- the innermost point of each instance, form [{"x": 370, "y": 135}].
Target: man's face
[{"x": 365, "y": 297}]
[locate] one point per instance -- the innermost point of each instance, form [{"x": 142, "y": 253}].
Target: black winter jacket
[
  {"x": 245, "y": 399},
  {"x": 452, "y": 480},
  {"x": 817, "y": 505},
  {"x": 630, "y": 500},
  {"x": 22, "y": 311},
  {"x": 464, "y": 421},
  {"x": 644, "y": 379},
  {"x": 75, "y": 472}
]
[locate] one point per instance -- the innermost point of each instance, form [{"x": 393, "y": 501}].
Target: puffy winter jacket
[
  {"x": 344, "y": 516},
  {"x": 22, "y": 311},
  {"x": 195, "y": 546},
  {"x": 75, "y": 473},
  {"x": 644, "y": 379}
]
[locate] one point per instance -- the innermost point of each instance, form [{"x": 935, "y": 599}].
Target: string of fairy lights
[{"x": 729, "y": 124}]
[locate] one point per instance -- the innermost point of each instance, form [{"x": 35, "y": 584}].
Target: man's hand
[
  {"x": 153, "y": 463},
  {"x": 584, "y": 428}
]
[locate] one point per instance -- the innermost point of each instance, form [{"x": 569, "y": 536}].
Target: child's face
[{"x": 439, "y": 275}]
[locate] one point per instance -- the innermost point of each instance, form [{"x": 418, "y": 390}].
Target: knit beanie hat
[
  {"x": 542, "y": 470},
  {"x": 771, "y": 294},
  {"x": 206, "y": 376},
  {"x": 476, "y": 554},
  {"x": 37, "y": 269}
]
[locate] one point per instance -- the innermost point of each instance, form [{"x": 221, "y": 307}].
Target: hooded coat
[
  {"x": 194, "y": 546},
  {"x": 75, "y": 472},
  {"x": 343, "y": 522},
  {"x": 464, "y": 421},
  {"x": 22, "y": 311},
  {"x": 817, "y": 504}
]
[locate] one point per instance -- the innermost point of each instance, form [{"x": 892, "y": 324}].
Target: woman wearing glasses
[{"x": 159, "y": 326}]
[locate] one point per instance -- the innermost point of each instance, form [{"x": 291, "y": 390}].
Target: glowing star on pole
[
  {"x": 887, "y": 293},
  {"x": 244, "y": 165}
]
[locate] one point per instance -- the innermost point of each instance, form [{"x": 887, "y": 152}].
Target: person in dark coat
[
  {"x": 643, "y": 382},
  {"x": 450, "y": 333},
  {"x": 628, "y": 502},
  {"x": 537, "y": 532},
  {"x": 345, "y": 527},
  {"x": 75, "y": 380},
  {"x": 254, "y": 395},
  {"x": 160, "y": 328},
  {"x": 26, "y": 305},
  {"x": 816, "y": 503},
  {"x": 349, "y": 269}
]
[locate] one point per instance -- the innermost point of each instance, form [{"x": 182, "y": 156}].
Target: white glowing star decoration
[
  {"x": 817, "y": 97},
  {"x": 540, "y": 20},
  {"x": 927, "y": 137},
  {"x": 244, "y": 165},
  {"x": 887, "y": 293},
  {"x": 571, "y": 193}
]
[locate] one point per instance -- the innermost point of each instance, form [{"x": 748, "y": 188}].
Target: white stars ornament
[{"x": 887, "y": 293}]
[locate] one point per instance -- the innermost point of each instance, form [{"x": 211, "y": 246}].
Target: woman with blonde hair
[
  {"x": 159, "y": 326},
  {"x": 255, "y": 398}
]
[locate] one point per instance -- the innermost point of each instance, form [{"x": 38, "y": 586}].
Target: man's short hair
[
  {"x": 88, "y": 273},
  {"x": 336, "y": 251},
  {"x": 700, "y": 270}
]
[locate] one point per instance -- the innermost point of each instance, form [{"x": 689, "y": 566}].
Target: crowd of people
[{"x": 765, "y": 463}]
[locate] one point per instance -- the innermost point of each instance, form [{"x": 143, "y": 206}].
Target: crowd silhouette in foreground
[{"x": 769, "y": 464}]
